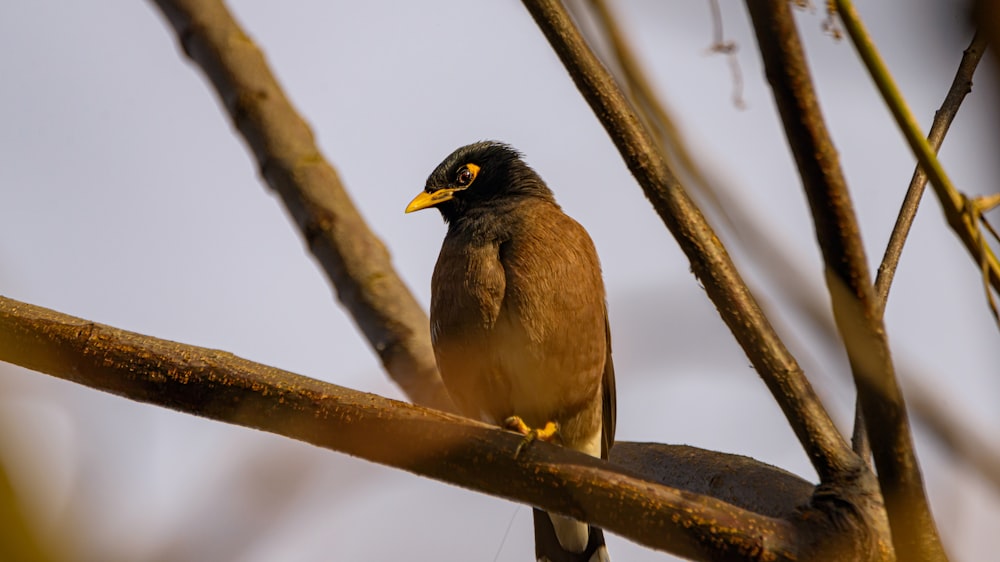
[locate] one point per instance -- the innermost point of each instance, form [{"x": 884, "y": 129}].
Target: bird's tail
[{"x": 548, "y": 549}]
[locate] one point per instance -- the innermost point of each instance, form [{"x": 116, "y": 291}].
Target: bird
[{"x": 518, "y": 318}]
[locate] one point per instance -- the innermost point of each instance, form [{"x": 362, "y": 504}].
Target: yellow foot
[{"x": 547, "y": 433}]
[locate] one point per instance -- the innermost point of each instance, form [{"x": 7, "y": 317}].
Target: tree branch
[
  {"x": 826, "y": 448},
  {"x": 354, "y": 259},
  {"x": 221, "y": 386},
  {"x": 856, "y": 311},
  {"x": 960, "y": 87}
]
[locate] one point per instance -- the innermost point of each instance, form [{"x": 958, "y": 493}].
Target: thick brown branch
[
  {"x": 430, "y": 443},
  {"x": 353, "y": 257},
  {"x": 856, "y": 310},
  {"x": 960, "y": 87},
  {"x": 826, "y": 448}
]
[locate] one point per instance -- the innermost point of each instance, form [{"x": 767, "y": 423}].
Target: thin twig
[
  {"x": 449, "y": 448},
  {"x": 729, "y": 49},
  {"x": 988, "y": 203},
  {"x": 914, "y": 534},
  {"x": 961, "y": 216},
  {"x": 827, "y": 450},
  {"x": 354, "y": 259},
  {"x": 960, "y": 86}
]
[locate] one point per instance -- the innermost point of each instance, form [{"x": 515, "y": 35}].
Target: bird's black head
[{"x": 484, "y": 176}]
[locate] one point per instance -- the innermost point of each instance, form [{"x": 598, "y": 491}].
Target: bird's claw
[{"x": 547, "y": 433}]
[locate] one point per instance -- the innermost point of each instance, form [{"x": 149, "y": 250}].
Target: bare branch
[
  {"x": 354, "y": 259},
  {"x": 856, "y": 312},
  {"x": 826, "y": 448},
  {"x": 960, "y": 86},
  {"x": 221, "y": 386}
]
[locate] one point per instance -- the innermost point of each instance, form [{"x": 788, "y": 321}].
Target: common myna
[{"x": 518, "y": 317}]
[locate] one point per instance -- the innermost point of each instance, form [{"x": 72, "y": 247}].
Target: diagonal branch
[
  {"x": 856, "y": 311},
  {"x": 354, "y": 259},
  {"x": 960, "y": 87},
  {"x": 826, "y": 448},
  {"x": 221, "y": 386}
]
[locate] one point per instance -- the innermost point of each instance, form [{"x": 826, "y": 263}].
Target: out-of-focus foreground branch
[
  {"x": 18, "y": 540},
  {"x": 354, "y": 259},
  {"x": 435, "y": 444}
]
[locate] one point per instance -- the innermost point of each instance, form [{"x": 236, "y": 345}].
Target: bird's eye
[{"x": 466, "y": 175}]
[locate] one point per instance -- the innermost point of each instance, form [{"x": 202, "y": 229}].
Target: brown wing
[
  {"x": 608, "y": 397},
  {"x": 460, "y": 311}
]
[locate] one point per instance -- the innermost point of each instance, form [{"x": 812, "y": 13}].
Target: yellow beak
[{"x": 424, "y": 199}]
